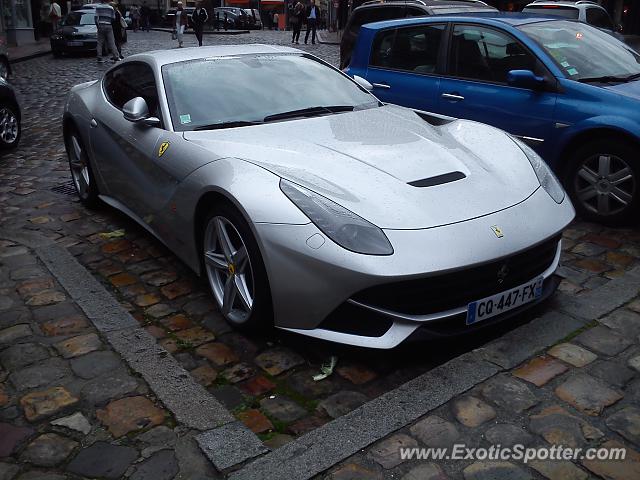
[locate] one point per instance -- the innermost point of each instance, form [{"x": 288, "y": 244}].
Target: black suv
[{"x": 380, "y": 10}]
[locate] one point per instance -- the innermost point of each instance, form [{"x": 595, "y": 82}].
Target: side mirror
[
  {"x": 363, "y": 82},
  {"x": 525, "y": 79},
  {"x": 137, "y": 111}
]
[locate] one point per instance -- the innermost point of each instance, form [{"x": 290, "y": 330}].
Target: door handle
[
  {"x": 452, "y": 96},
  {"x": 93, "y": 123},
  {"x": 381, "y": 85}
]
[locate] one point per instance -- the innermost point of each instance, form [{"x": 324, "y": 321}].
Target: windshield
[
  {"x": 75, "y": 19},
  {"x": 555, "y": 10},
  {"x": 225, "y": 90},
  {"x": 584, "y": 52}
]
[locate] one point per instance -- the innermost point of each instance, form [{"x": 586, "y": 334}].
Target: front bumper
[
  {"x": 311, "y": 277},
  {"x": 80, "y": 45}
]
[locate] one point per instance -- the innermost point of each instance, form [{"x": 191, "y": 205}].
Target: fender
[{"x": 253, "y": 190}]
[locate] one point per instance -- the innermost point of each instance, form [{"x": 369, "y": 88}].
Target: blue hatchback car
[{"x": 570, "y": 90}]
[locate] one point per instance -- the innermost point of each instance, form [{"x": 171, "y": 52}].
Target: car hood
[
  {"x": 631, "y": 89},
  {"x": 366, "y": 161}
]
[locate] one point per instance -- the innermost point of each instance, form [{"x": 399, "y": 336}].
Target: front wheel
[
  {"x": 10, "y": 128},
  {"x": 81, "y": 172},
  {"x": 235, "y": 270},
  {"x": 603, "y": 181}
]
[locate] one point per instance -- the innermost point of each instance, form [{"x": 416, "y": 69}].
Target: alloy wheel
[
  {"x": 229, "y": 269},
  {"x": 8, "y": 126},
  {"x": 79, "y": 168},
  {"x": 605, "y": 184}
]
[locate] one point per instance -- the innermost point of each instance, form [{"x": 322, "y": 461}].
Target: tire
[
  {"x": 242, "y": 274},
  {"x": 603, "y": 181},
  {"x": 80, "y": 168},
  {"x": 10, "y": 127},
  {"x": 5, "y": 69}
]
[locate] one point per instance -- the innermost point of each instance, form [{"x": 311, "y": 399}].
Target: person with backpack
[{"x": 199, "y": 18}]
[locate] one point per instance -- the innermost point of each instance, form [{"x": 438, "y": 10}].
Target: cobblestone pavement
[
  {"x": 583, "y": 392},
  {"x": 266, "y": 382},
  {"x": 69, "y": 406}
]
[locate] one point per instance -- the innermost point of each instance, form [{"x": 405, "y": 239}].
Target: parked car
[
  {"x": 582, "y": 10},
  {"x": 378, "y": 10},
  {"x": 236, "y": 17},
  {"x": 380, "y": 223},
  {"x": 170, "y": 17},
  {"x": 10, "y": 117},
  {"x": 569, "y": 89},
  {"x": 5, "y": 66},
  {"x": 77, "y": 33},
  {"x": 254, "y": 18}
]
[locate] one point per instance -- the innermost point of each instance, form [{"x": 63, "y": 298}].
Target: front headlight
[
  {"x": 339, "y": 224},
  {"x": 546, "y": 177}
]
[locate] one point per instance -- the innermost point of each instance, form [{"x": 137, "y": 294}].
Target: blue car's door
[
  {"x": 475, "y": 85},
  {"x": 404, "y": 63}
]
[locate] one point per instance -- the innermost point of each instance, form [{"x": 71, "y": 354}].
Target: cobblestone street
[{"x": 67, "y": 399}]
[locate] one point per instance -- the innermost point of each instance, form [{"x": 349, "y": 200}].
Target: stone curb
[
  {"x": 206, "y": 32},
  {"x": 230, "y": 445},
  {"x": 320, "y": 449},
  {"x": 190, "y": 403}
]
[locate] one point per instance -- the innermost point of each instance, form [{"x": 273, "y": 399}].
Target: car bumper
[
  {"x": 318, "y": 287},
  {"x": 74, "y": 45}
]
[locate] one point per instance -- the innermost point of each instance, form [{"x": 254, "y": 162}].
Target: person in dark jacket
[
  {"x": 199, "y": 18},
  {"x": 118, "y": 31},
  {"x": 297, "y": 16},
  {"x": 313, "y": 15},
  {"x": 145, "y": 17}
]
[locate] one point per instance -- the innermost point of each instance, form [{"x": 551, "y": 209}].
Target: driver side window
[
  {"x": 484, "y": 54},
  {"x": 130, "y": 81}
]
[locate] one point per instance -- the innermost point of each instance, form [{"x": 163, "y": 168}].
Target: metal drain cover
[{"x": 65, "y": 189}]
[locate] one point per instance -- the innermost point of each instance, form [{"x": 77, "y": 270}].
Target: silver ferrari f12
[{"x": 311, "y": 206}]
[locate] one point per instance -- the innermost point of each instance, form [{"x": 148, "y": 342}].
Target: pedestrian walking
[
  {"x": 296, "y": 22},
  {"x": 276, "y": 19},
  {"x": 118, "y": 26},
  {"x": 199, "y": 18},
  {"x": 145, "y": 17},
  {"x": 55, "y": 13},
  {"x": 181, "y": 23},
  {"x": 104, "y": 16},
  {"x": 313, "y": 13},
  {"x": 135, "y": 17}
]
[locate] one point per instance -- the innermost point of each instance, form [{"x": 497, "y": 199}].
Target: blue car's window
[
  {"x": 412, "y": 49},
  {"x": 218, "y": 91},
  {"x": 584, "y": 52},
  {"x": 480, "y": 53}
]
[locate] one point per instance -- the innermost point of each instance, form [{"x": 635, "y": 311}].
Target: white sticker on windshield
[
  {"x": 572, "y": 71},
  {"x": 184, "y": 119}
]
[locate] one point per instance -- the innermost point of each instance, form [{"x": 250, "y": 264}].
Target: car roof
[
  {"x": 564, "y": 3},
  {"x": 426, "y": 3},
  {"x": 508, "y": 18},
  {"x": 165, "y": 57}
]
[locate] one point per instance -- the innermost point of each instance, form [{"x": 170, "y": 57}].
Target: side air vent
[{"x": 438, "y": 179}]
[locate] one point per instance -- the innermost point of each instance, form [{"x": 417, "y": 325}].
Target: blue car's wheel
[{"x": 604, "y": 182}]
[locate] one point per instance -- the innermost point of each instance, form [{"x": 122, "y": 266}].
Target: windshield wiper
[
  {"x": 610, "y": 78},
  {"x": 309, "y": 112},
  {"x": 218, "y": 126}
]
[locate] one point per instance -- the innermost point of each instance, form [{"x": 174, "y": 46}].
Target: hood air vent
[{"x": 438, "y": 179}]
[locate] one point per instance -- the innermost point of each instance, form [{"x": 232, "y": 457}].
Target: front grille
[{"x": 451, "y": 290}]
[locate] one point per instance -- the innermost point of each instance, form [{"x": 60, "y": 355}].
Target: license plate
[
  {"x": 75, "y": 44},
  {"x": 503, "y": 302}
]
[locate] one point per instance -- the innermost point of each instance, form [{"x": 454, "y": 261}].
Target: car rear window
[
  {"x": 555, "y": 10},
  {"x": 370, "y": 15}
]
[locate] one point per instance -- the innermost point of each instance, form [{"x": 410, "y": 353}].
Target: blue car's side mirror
[{"x": 525, "y": 79}]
